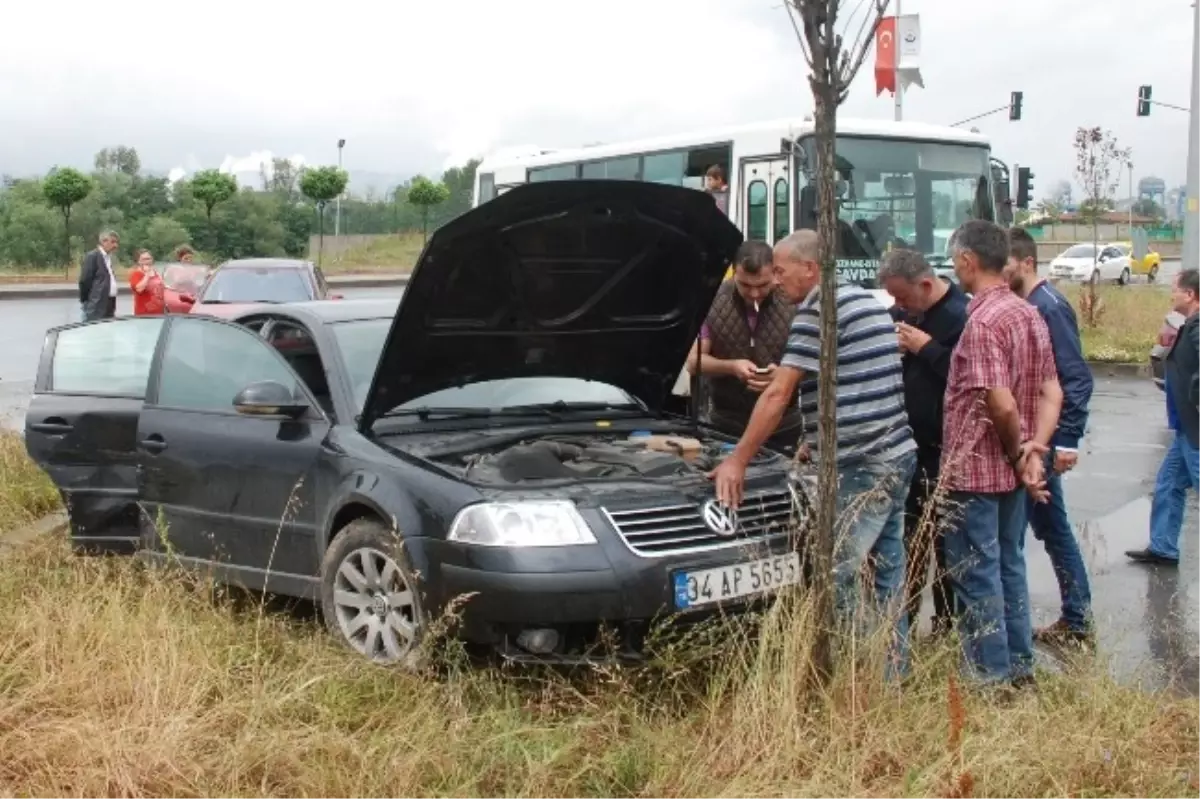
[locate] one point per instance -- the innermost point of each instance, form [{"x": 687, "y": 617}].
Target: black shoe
[{"x": 1152, "y": 558}]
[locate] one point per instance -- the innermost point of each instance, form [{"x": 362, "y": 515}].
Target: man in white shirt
[{"x": 97, "y": 282}]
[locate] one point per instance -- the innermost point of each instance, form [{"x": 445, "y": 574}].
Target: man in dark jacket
[
  {"x": 1049, "y": 520},
  {"x": 930, "y": 313},
  {"x": 97, "y": 283},
  {"x": 740, "y": 345},
  {"x": 1178, "y": 472}
]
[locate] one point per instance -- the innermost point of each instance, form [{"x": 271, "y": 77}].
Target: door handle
[
  {"x": 153, "y": 443},
  {"x": 54, "y": 426}
]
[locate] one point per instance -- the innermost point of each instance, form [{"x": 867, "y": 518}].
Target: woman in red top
[{"x": 147, "y": 286}]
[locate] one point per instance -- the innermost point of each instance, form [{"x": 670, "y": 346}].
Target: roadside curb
[
  {"x": 1119, "y": 369},
  {"x": 16, "y": 291},
  {"x": 47, "y": 525}
]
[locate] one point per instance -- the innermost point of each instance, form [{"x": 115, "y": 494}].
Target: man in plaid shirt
[{"x": 1001, "y": 410}]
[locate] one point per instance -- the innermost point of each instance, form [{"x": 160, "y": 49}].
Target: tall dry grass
[
  {"x": 26, "y": 493},
  {"x": 1127, "y": 323},
  {"x": 117, "y": 679}
]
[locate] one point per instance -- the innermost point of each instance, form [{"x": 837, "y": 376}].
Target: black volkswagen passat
[{"x": 497, "y": 440}]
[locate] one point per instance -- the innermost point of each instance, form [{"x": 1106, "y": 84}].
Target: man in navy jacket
[{"x": 1049, "y": 520}]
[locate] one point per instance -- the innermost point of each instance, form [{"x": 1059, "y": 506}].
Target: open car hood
[{"x": 596, "y": 279}]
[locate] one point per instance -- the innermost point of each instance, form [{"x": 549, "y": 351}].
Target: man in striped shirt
[{"x": 876, "y": 453}]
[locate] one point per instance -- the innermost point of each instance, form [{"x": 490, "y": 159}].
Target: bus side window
[{"x": 807, "y": 215}]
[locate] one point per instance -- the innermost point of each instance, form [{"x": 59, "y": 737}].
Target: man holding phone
[{"x": 741, "y": 343}]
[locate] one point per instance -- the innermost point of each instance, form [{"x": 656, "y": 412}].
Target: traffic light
[
  {"x": 1143, "y": 101},
  {"x": 1014, "y": 106},
  {"x": 1024, "y": 186}
]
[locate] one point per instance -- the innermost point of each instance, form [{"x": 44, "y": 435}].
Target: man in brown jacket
[{"x": 741, "y": 343}]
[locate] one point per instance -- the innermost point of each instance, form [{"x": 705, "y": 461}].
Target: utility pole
[
  {"x": 337, "y": 217},
  {"x": 1131, "y": 200},
  {"x": 900, "y": 83},
  {"x": 1191, "y": 212}
]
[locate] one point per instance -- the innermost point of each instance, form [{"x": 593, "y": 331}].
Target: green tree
[
  {"x": 460, "y": 181},
  {"x": 118, "y": 159},
  {"x": 426, "y": 195},
  {"x": 162, "y": 235},
  {"x": 1147, "y": 207},
  {"x": 322, "y": 184},
  {"x": 64, "y": 188},
  {"x": 212, "y": 187}
]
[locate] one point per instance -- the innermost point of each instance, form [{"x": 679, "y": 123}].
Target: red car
[
  {"x": 180, "y": 283},
  {"x": 234, "y": 285}
]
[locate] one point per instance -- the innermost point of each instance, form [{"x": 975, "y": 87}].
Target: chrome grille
[{"x": 674, "y": 529}]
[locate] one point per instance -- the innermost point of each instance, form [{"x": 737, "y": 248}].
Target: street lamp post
[
  {"x": 337, "y": 217},
  {"x": 1131, "y": 199},
  {"x": 1191, "y": 211}
]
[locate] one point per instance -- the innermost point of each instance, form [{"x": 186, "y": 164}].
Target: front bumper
[{"x": 574, "y": 591}]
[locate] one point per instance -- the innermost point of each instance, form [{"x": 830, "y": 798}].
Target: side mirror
[
  {"x": 188, "y": 299},
  {"x": 268, "y": 398}
]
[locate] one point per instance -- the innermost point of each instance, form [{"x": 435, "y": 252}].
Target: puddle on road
[{"x": 1147, "y": 617}]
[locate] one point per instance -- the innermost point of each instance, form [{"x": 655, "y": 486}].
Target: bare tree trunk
[
  {"x": 1091, "y": 314},
  {"x": 825, "y": 122},
  {"x": 320, "y": 232},
  {"x": 67, "y": 241}
]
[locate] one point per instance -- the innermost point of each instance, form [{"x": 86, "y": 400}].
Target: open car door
[{"x": 81, "y": 427}]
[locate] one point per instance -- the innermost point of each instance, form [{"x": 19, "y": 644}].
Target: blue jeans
[
  {"x": 1177, "y": 474},
  {"x": 1052, "y": 527},
  {"x": 871, "y": 496},
  {"x": 985, "y": 555}
]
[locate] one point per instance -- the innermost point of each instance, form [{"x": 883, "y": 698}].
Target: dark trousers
[{"x": 923, "y": 534}]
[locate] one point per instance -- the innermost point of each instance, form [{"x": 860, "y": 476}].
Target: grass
[
  {"x": 385, "y": 254},
  {"x": 117, "y": 679},
  {"x": 26, "y": 493},
  {"x": 1127, "y": 325}
]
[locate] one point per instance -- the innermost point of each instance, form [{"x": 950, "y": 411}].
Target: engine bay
[{"x": 566, "y": 456}]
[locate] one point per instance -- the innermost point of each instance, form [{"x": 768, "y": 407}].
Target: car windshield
[
  {"x": 1079, "y": 251},
  {"x": 263, "y": 284},
  {"x": 361, "y": 343}
]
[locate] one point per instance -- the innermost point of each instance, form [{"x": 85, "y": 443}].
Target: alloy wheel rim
[{"x": 375, "y": 607}]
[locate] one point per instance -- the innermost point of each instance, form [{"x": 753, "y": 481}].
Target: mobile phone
[{"x": 763, "y": 370}]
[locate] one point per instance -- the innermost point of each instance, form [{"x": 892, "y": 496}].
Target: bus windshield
[{"x": 897, "y": 193}]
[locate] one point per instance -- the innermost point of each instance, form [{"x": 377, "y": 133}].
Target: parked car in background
[
  {"x": 495, "y": 443},
  {"x": 180, "y": 283},
  {"x": 1083, "y": 263},
  {"x": 1166, "y": 337},
  {"x": 236, "y": 284},
  {"x": 1148, "y": 265}
]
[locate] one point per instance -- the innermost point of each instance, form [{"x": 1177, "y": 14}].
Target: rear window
[
  {"x": 109, "y": 358},
  {"x": 257, "y": 285}
]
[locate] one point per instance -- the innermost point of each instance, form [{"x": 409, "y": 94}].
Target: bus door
[{"x": 766, "y": 200}]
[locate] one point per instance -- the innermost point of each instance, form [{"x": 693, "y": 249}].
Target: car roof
[
  {"x": 266, "y": 263},
  {"x": 328, "y": 311}
]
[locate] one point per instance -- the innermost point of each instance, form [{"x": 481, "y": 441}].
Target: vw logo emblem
[{"x": 722, "y": 521}]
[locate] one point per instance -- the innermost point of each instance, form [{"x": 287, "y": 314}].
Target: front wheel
[
  {"x": 369, "y": 594},
  {"x": 1152, "y": 275},
  {"x": 1123, "y": 280}
]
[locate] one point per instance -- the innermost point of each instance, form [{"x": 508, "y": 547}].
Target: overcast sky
[{"x": 413, "y": 86}]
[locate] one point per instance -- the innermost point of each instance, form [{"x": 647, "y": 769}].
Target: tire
[
  {"x": 1123, "y": 280},
  {"x": 370, "y": 598},
  {"x": 1152, "y": 275}
]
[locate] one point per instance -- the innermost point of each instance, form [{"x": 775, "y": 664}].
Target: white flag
[{"x": 908, "y": 62}]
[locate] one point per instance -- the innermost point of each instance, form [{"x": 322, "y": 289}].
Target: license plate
[{"x": 736, "y": 581}]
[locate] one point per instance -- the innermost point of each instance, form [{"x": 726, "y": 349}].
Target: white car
[{"x": 1082, "y": 263}]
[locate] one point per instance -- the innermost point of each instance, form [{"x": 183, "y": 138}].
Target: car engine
[{"x": 566, "y": 457}]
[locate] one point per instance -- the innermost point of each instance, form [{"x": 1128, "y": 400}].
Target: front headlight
[{"x": 521, "y": 524}]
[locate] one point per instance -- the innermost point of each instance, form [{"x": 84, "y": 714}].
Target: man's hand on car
[{"x": 729, "y": 481}]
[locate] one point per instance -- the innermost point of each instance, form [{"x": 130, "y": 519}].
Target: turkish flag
[{"x": 885, "y": 56}]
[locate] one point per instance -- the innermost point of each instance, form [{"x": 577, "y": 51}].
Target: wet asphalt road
[{"x": 1148, "y": 618}]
